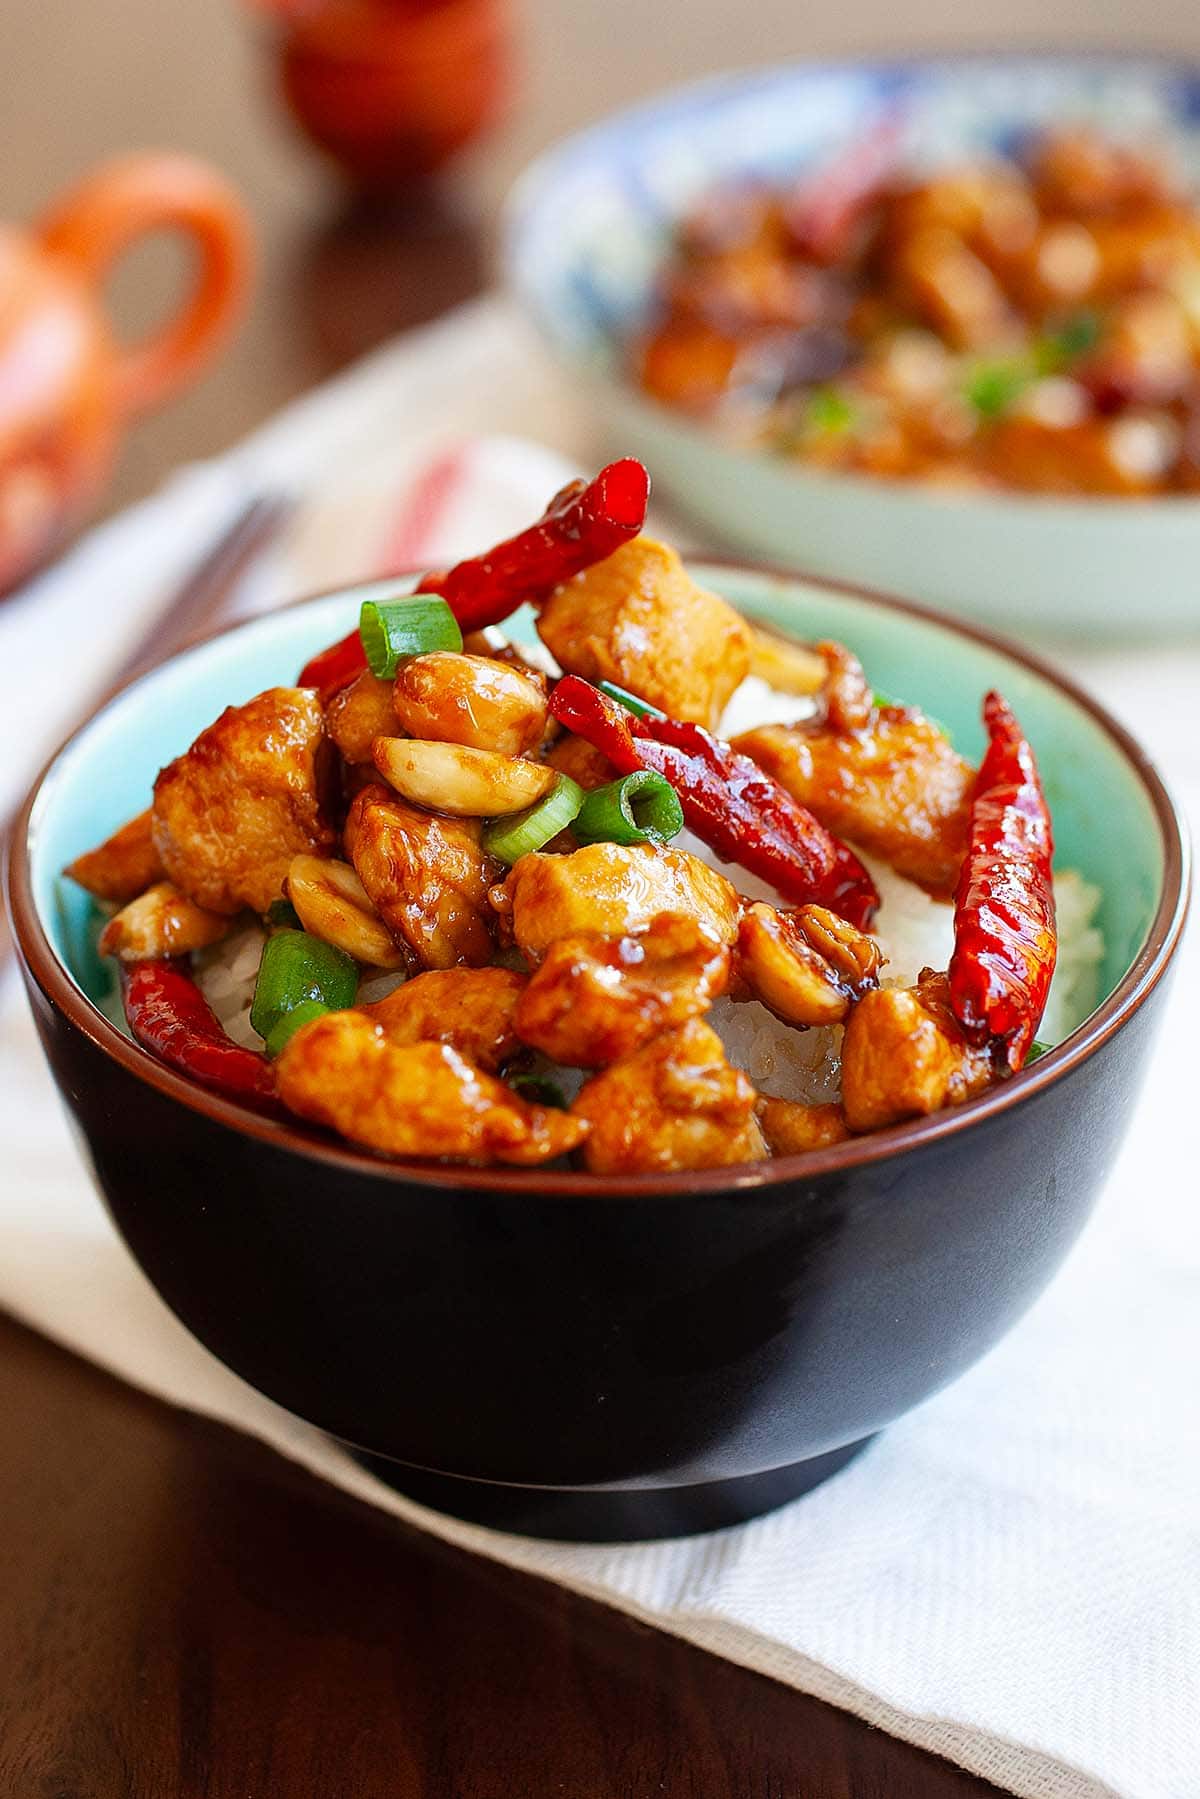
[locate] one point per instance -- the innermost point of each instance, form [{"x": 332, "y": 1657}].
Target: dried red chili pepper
[
  {"x": 583, "y": 524},
  {"x": 738, "y": 809},
  {"x": 336, "y": 667},
  {"x": 1005, "y": 942},
  {"x": 170, "y": 1017}
]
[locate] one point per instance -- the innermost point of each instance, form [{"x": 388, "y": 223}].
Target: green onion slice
[
  {"x": 1074, "y": 337},
  {"x": 1037, "y": 1049},
  {"x": 393, "y": 629},
  {"x": 285, "y": 1028},
  {"x": 539, "y": 1091},
  {"x": 282, "y": 915},
  {"x": 508, "y": 839},
  {"x": 296, "y": 968},
  {"x": 639, "y": 808},
  {"x": 830, "y": 411},
  {"x": 630, "y": 701},
  {"x": 994, "y": 387}
]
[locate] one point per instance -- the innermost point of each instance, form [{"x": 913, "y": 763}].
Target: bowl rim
[
  {"x": 536, "y": 178},
  {"x": 44, "y": 968}
]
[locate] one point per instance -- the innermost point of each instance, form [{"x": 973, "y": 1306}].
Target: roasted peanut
[
  {"x": 472, "y": 700},
  {"x": 333, "y": 904},
  {"x": 161, "y": 922},
  {"x": 468, "y": 783}
]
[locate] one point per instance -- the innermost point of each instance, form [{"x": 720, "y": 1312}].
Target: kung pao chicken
[
  {"x": 1030, "y": 324},
  {"x": 428, "y": 802}
]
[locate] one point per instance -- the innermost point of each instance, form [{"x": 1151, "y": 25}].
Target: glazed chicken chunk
[
  {"x": 358, "y": 715},
  {"x": 471, "y": 1009},
  {"x": 611, "y": 890},
  {"x": 675, "y": 1104},
  {"x": 792, "y": 1128},
  {"x": 896, "y": 788},
  {"x": 416, "y": 1099},
  {"x": 806, "y": 966},
  {"x": 232, "y": 811},
  {"x": 427, "y": 877},
  {"x": 594, "y": 999},
  {"x": 904, "y": 1054},
  {"x": 123, "y": 866},
  {"x": 639, "y": 619}
]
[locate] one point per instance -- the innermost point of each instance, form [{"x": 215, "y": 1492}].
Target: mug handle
[{"x": 135, "y": 195}]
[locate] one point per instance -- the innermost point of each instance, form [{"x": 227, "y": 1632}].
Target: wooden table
[{"x": 181, "y": 1613}]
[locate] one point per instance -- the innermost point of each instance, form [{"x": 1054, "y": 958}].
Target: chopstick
[{"x": 198, "y": 602}]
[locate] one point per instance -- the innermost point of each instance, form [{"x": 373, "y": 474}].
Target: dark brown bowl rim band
[{"x": 1131, "y": 991}]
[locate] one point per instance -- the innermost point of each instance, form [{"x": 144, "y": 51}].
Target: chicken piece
[
  {"x": 639, "y": 619},
  {"x": 791, "y": 1128},
  {"x": 613, "y": 891},
  {"x": 476, "y": 701},
  {"x": 359, "y": 714},
  {"x": 416, "y": 1099},
  {"x": 846, "y": 692},
  {"x": 1129, "y": 454},
  {"x": 675, "y": 1104},
  {"x": 1145, "y": 355},
  {"x": 807, "y": 966},
  {"x": 471, "y": 1009},
  {"x": 581, "y": 760},
  {"x": 952, "y": 289},
  {"x": 123, "y": 866},
  {"x": 596, "y": 998},
  {"x": 897, "y": 789},
  {"x": 161, "y": 922},
  {"x": 904, "y": 1054},
  {"x": 232, "y": 811},
  {"x": 426, "y": 876},
  {"x": 1078, "y": 171},
  {"x": 785, "y": 665}
]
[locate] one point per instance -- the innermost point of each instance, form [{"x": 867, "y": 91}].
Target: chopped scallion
[
  {"x": 642, "y": 807},
  {"x": 297, "y": 967},
  {"x": 1073, "y": 338},
  {"x": 283, "y": 916},
  {"x": 393, "y": 629},
  {"x": 538, "y": 1091},
  {"x": 285, "y": 1028},
  {"x": 1037, "y": 1049},
  {"x": 993, "y": 387},
  {"x": 508, "y": 839},
  {"x": 830, "y": 411},
  {"x": 630, "y": 701}
]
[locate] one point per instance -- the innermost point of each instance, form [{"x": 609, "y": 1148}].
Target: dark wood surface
[{"x": 183, "y": 1615}]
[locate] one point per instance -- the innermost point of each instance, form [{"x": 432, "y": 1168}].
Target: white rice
[{"x": 913, "y": 930}]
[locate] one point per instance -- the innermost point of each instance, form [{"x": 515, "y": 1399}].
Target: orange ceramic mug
[{"x": 67, "y": 386}]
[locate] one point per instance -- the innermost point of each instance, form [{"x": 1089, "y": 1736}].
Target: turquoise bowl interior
[
  {"x": 1106, "y": 823},
  {"x": 589, "y": 223}
]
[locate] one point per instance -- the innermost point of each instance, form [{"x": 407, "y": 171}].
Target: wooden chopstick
[{"x": 198, "y": 602}]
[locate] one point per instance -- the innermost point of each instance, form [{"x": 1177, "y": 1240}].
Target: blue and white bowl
[{"x": 589, "y": 224}]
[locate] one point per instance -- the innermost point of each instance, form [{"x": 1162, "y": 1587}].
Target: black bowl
[{"x": 572, "y": 1357}]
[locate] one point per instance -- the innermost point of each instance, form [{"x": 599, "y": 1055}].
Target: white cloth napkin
[{"x": 1010, "y": 1577}]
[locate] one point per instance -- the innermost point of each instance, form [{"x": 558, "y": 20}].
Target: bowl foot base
[{"x": 606, "y": 1515}]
